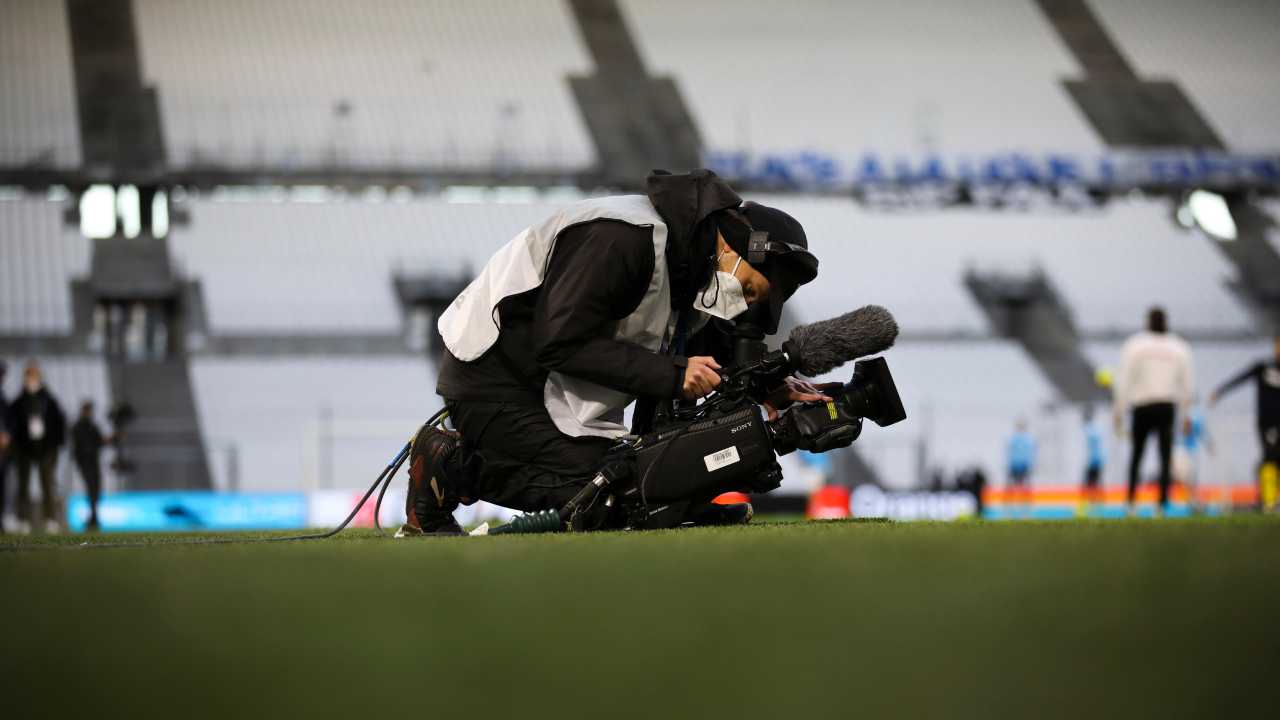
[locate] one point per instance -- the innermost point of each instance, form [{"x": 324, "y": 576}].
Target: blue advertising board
[{"x": 191, "y": 511}]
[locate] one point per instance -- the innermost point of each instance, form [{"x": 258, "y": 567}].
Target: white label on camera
[{"x": 725, "y": 457}]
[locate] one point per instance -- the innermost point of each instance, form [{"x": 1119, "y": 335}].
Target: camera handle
[{"x": 816, "y": 427}]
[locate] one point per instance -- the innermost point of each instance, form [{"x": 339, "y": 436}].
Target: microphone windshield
[{"x": 823, "y": 346}]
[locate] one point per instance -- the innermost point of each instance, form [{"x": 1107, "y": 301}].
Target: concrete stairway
[
  {"x": 164, "y": 441},
  {"x": 638, "y": 122},
  {"x": 1028, "y": 309}
]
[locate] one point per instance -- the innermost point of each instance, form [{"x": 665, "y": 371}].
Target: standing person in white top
[{"x": 1155, "y": 382}]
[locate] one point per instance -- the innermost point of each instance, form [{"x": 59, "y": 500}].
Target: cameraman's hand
[
  {"x": 793, "y": 390},
  {"x": 700, "y": 377}
]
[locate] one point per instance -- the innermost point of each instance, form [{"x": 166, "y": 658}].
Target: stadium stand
[
  {"x": 295, "y": 84},
  {"x": 298, "y": 267},
  {"x": 1102, "y": 262},
  {"x": 919, "y": 75},
  {"x": 388, "y": 82},
  {"x": 282, "y": 84},
  {"x": 270, "y": 412},
  {"x": 304, "y": 267},
  {"x": 40, "y": 257},
  {"x": 37, "y": 89},
  {"x": 1211, "y": 51}
]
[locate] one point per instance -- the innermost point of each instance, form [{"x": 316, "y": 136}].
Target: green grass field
[{"x": 837, "y": 619}]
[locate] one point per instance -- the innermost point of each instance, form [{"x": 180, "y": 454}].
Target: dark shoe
[
  {"x": 432, "y": 498},
  {"x": 716, "y": 514}
]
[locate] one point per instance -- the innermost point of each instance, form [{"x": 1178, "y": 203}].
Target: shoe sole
[{"x": 408, "y": 531}]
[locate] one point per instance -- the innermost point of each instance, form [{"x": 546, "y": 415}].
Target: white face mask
[{"x": 728, "y": 301}]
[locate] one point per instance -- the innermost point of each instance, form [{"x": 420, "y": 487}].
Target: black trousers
[
  {"x": 1147, "y": 419},
  {"x": 1268, "y": 438},
  {"x": 4, "y": 484},
  {"x": 45, "y": 463},
  {"x": 91, "y": 471},
  {"x": 513, "y": 455}
]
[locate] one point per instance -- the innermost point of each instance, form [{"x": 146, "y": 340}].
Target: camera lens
[{"x": 872, "y": 394}]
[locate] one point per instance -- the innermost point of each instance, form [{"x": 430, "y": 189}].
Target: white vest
[{"x": 470, "y": 325}]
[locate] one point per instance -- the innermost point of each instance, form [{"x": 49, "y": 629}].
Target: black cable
[
  {"x": 438, "y": 418},
  {"x": 377, "y": 506},
  {"x": 387, "y": 473}
]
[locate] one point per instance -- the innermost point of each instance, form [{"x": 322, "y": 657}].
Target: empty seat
[
  {"x": 323, "y": 267},
  {"x": 463, "y": 84},
  {"x": 1220, "y": 55},
  {"x": 845, "y": 78},
  {"x": 299, "y": 423},
  {"x": 1109, "y": 266},
  {"x": 39, "y": 256},
  {"x": 38, "y": 124}
]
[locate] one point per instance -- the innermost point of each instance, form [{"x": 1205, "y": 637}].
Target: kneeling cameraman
[{"x": 608, "y": 301}]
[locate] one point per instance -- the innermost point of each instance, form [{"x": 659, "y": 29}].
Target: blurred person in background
[
  {"x": 973, "y": 480},
  {"x": 1193, "y": 437},
  {"x": 1154, "y": 382},
  {"x": 1095, "y": 460},
  {"x": 1022, "y": 461},
  {"x": 39, "y": 430},
  {"x": 86, "y": 447},
  {"x": 6, "y": 441},
  {"x": 1266, "y": 377}
]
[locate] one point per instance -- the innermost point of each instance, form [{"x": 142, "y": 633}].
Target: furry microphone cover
[{"x": 825, "y": 345}]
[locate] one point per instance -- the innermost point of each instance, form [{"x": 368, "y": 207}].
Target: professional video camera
[{"x": 724, "y": 443}]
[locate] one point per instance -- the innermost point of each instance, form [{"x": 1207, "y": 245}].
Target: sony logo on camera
[{"x": 738, "y": 428}]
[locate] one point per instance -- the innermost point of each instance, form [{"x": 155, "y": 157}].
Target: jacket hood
[{"x": 685, "y": 202}]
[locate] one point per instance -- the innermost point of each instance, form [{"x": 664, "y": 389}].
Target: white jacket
[
  {"x": 470, "y": 325},
  {"x": 1154, "y": 368}
]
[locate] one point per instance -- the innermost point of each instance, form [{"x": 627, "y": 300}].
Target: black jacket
[
  {"x": 86, "y": 440},
  {"x": 40, "y": 404},
  {"x": 597, "y": 275},
  {"x": 5, "y": 422},
  {"x": 1266, "y": 375}
]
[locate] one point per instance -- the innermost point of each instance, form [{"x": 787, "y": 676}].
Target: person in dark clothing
[
  {"x": 39, "y": 430},
  {"x": 6, "y": 440},
  {"x": 1266, "y": 377},
  {"x": 86, "y": 448},
  {"x": 604, "y": 303}
]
